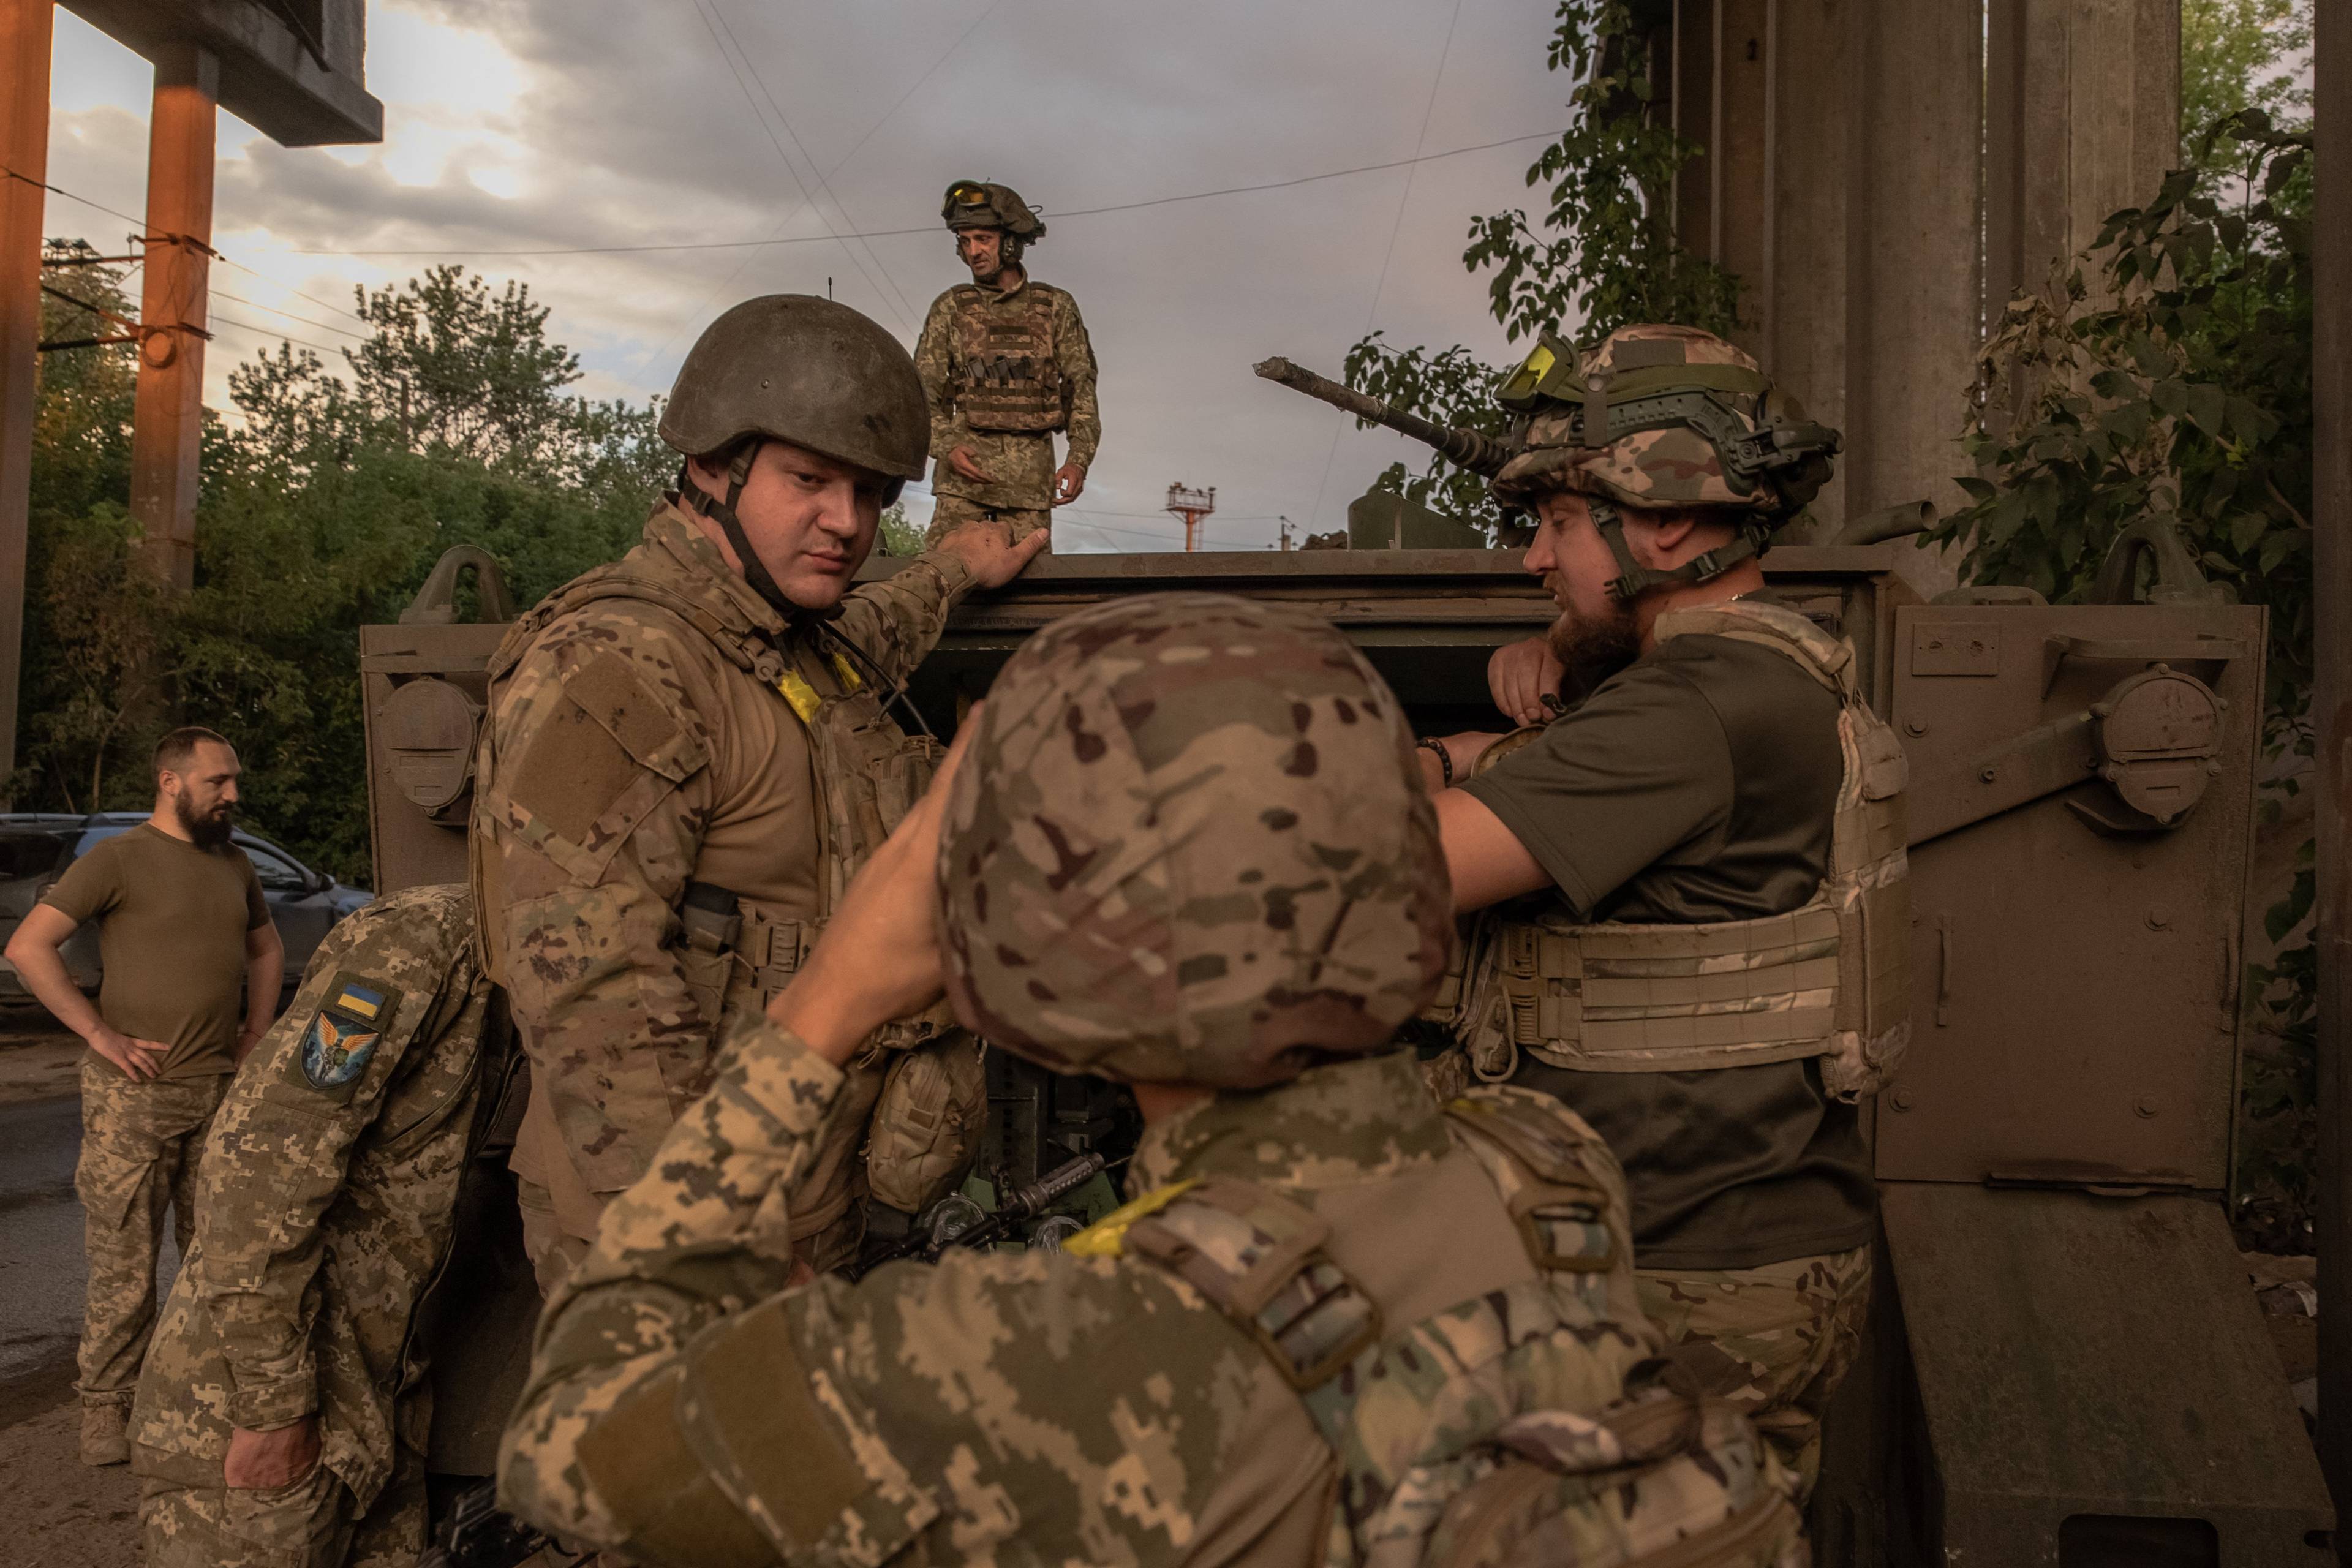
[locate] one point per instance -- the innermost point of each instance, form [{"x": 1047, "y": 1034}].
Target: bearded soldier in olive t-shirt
[
  {"x": 1006, "y": 362},
  {"x": 1696, "y": 877},
  {"x": 189, "y": 949}
]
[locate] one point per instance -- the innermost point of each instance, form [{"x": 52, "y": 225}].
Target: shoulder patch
[{"x": 340, "y": 1040}]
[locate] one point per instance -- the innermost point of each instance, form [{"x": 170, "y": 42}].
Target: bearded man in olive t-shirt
[
  {"x": 1672, "y": 864},
  {"x": 192, "y": 970}
]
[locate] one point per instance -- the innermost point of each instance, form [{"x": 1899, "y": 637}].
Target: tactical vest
[
  {"x": 736, "y": 952},
  {"x": 1437, "y": 1462},
  {"x": 1007, "y": 375},
  {"x": 1828, "y": 980}
]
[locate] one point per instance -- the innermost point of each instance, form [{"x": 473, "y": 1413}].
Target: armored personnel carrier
[{"x": 2065, "y": 1365}]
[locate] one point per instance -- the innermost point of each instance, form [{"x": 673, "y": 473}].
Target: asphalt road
[{"x": 41, "y": 1266}]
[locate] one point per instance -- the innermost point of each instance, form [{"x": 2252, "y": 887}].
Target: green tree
[
  {"x": 1602, "y": 251},
  {"x": 2242, "y": 54},
  {"x": 326, "y": 500},
  {"x": 898, "y": 536}
]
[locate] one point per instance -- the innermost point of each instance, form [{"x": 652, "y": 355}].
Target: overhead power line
[{"x": 929, "y": 228}]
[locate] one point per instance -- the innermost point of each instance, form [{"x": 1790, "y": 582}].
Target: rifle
[
  {"x": 1023, "y": 1203},
  {"x": 480, "y": 1534}
]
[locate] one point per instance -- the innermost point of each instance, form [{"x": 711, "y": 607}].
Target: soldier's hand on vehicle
[
  {"x": 278, "y": 1458},
  {"x": 987, "y": 552},
  {"x": 1069, "y": 483},
  {"x": 843, "y": 994},
  {"x": 961, "y": 462},
  {"x": 139, "y": 1059},
  {"x": 1525, "y": 680}
]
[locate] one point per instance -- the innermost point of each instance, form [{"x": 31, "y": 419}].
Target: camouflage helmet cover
[
  {"x": 1191, "y": 844},
  {"x": 792, "y": 367},
  {"x": 1690, "y": 419},
  {"x": 976, "y": 204}
]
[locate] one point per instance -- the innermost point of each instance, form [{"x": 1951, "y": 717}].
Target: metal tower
[{"x": 1191, "y": 506}]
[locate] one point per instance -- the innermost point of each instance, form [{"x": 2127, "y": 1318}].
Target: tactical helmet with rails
[
  {"x": 1661, "y": 418},
  {"x": 794, "y": 368},
  {"x": 976, "y": 204}
]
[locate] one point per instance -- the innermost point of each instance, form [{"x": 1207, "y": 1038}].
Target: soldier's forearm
[
  {"x": 705, "y": 1233},
  {"x": 897, "y": 622}
]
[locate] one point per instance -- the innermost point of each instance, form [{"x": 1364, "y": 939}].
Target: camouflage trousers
[
  {"x": 951, "y": 512},
  {"x": 140, "y": 1145},
  {"x": 1776, "y": 1341},
  {"x": 316, "y": 1522}
]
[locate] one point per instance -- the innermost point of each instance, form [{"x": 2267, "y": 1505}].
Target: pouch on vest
[
  {"x": 1008, "y": 377},
  {"x": 1660, "y": 1479},
  {"x": 927, "y": 1124}
]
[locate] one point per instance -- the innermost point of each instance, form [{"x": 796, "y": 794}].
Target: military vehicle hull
[{"x": 2066, "y": 1365}]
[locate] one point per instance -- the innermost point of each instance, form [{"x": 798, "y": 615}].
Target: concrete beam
[
  {"x": 168, "y": 416},
  {"x": 301, "y": 88},
  {"x": 26, "y": 34}
]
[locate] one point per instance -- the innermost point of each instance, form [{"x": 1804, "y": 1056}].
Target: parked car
[{"x": 36, "y": 848}]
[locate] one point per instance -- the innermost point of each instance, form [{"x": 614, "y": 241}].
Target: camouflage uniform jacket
[
  {"x": 1058, "y": 1407},
  {"x": 635, "y": 746},
  {"x": 329, "y": 1185},
  {"x": 1021, "y": 465}
]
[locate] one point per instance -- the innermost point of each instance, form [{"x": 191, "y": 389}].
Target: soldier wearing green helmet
[
  {"x": 1005, "y": 363},
  {"x": 689, "y": 750},
  {"x": 1690, "y": 860}
]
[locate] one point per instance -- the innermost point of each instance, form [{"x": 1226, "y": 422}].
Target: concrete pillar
[
  {"x": 2331, "y": 711},
  {"x": 167, "y": 421},
  {"x": 2082, "y": 117},
  {"x": 1815, "y": 152},
  {"x": 25, "y": 47},
  {"x": 1912, "y": 307}
]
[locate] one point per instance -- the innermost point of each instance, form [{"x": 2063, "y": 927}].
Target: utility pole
[
  {"x": 168, "y": 417},
  {"x": 1192, "y": 506},
  {"x": 2331, "y": 712},
  {"x": 25, "y": 32},
  {"x": 1286, "y": 533}
]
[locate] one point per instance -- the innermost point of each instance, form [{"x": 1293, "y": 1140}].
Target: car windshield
[{"x": 30, "y": 854}]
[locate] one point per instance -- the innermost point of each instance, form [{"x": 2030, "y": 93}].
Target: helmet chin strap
[
  {"x": 723, "y": 512},
  {"x": 1634, "y": 579}
]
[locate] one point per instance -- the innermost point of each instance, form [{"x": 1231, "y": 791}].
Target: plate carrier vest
[
  {"x": 1007, "y": 378},
  {"x": 1829, "y": 979},
  {"x": 866, "y": 774}
]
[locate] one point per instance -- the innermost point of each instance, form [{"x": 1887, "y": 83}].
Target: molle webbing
[
  {"x": 1008, "y": 377},
  {"x": 1259, "y": 1258}
]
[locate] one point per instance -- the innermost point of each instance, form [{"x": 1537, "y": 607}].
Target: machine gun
[
  {"x": 1480, "y": 454},
  {"x": 957, "y": 1221}
]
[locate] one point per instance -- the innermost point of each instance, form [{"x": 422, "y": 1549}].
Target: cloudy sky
[{"x": 760, "y": 131}]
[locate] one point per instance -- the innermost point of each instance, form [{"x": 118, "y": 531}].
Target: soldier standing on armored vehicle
[
  {"x": 686, "y": 755},
  {"x": 1704, "y": 952},
  {"x": 1006, "y": 362}
]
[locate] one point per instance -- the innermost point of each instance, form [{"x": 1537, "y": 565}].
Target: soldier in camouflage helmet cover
[
  {"x": 281, "y": 1418},
  {"x": 1711, "y": 967},
  {"x": 1181, "y": 845},
  {"x": 688, "y": 752},
  {"x": 1005, "y": 363}
]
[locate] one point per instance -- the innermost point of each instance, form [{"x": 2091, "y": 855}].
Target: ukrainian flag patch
[{"x": 341, "y": 1036}]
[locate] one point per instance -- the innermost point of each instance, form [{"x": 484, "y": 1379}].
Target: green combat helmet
[
  {"x": 1191, "y": 846},
  {"x": 794, "y": 368},
  {"x": 1659, "y": 417},
  {"x": 975, "y": 203}
]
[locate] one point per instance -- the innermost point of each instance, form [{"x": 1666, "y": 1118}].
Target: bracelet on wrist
[{"x": 1444, "y": 759}]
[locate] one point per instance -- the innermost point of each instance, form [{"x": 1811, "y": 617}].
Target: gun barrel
[{"x": 1478, "y": 453}]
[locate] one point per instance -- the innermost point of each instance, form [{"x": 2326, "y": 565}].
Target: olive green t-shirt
[
  {"x": 1698, "y": 784},
  {"x": 172, "y": 919}
]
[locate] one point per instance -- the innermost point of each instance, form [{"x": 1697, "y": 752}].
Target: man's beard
[
  {"x": 1591, "y": 648},
  {"x": 209, "y": 831}
]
